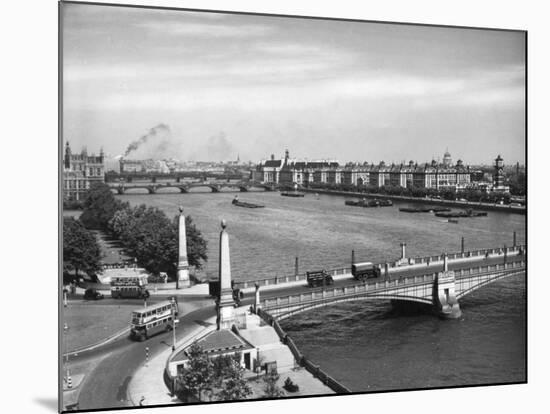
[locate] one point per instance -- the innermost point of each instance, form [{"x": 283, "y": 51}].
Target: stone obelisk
[
  {"x": 183, "y": 264},
  {"x": 225, "y": 303}
]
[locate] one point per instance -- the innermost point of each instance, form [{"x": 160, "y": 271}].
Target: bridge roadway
[{"x": 347, "y": 280}]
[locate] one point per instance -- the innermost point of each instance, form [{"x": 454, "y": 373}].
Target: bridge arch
[
  {"x": 168, "y": 189},
  {"x": 474, "y": 284},
  {"x": 288, "y": 311},
  {"x": 132, "y": 190}
]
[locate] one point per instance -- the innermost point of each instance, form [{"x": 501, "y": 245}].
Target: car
[{"x": 92, "y": 294}]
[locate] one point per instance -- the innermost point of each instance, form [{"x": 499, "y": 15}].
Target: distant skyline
[{"x": 213, "y": 86}]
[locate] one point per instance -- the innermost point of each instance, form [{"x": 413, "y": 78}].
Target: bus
[
  {"x": 153, "y": 319},
  {"x": 129, "y": 286}
]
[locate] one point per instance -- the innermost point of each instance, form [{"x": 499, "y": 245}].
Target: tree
[
  {"x": 197, "y": 377},
  {"x": 100, "y": 206},
  {"x": 148, "y": 235},
  {"x": 81, "y": 251},
  {"x": 271, "y": 389},
  {"x": 234, "y": 386}
]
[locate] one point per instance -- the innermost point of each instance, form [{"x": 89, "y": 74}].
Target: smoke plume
[{"x": 159, "y": 131}]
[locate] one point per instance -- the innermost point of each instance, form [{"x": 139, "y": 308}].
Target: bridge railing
[
  {"x": 380, "y": 286},
  {"x": 419, "y": 260}
]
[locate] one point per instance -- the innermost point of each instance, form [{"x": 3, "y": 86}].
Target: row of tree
[
  {"x": 418, "y": 192},
  {"x": 146, "y": 233}
]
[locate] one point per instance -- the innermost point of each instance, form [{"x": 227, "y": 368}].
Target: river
[{"x": 366, "y": 345}]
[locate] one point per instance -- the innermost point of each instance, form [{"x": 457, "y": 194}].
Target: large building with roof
[
  {"x": 432, "y": 175},
  {"x": 80, "y": 171}
]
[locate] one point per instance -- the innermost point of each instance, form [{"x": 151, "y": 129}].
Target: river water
[{"x": 367, "y": 345}]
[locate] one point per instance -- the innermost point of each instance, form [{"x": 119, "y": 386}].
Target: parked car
[{"x": 92, "y": 294}]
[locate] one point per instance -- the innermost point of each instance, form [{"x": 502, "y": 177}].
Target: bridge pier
[{"x": 444, "y": 296}]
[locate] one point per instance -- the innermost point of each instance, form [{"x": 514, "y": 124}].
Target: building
[
  {"x": 131, "y": 166},
  {"x": 80, "y": 171},
  {"x": 438, "y": 176},
  {"x": 294, "y": 171}
]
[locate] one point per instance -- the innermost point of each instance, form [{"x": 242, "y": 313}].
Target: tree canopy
[
  {"x": 81, "y": 251},
  {"x": 145, "y": 232},
  {"x": 100, "y": 205},
  {"x": 221, "y": 377},
  {"x": 148, "y": 235}
]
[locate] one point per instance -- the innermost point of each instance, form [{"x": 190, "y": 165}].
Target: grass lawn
[{"x": 90, "y": 323}]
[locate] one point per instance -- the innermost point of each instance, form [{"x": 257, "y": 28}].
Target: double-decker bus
[
  {"x": 153, "y": 319},
  {"x": 131, "y": 285}
]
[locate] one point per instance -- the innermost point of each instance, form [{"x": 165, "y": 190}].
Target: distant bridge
[
  {"x": 439, "y": 282},
  {"x": 185, "y": 187},
  {"x": 176, "y": 176}
]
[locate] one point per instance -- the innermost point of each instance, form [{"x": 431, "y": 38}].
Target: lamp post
[
  {"x": 173, "y": 323},
  {"x": 68, "y": 373}
]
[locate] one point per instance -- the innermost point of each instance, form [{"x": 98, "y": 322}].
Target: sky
[{"x": 214, "y": 86}]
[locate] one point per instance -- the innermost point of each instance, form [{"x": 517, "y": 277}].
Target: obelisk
[
  {"x": 183, "y": 264},
  {"x": 225, "y": 304}
]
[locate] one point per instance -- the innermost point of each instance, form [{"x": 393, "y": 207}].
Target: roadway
[
  {"x": 106, "y": 386},
  {"x": 395, "y": 273}
]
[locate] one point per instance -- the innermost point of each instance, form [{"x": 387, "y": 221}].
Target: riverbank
[{"x": 447, "y": 203}]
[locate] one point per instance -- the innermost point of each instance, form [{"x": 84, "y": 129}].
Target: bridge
[
  {"x": 436, "y": 281},
  {"x": 185, "y": 187},
  {"x": 176, "y": 176}
]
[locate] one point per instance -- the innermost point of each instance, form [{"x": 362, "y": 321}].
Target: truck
[
  {"x": 214, "y": 291},
  {"x": 319, "y": 278},
  {"x": 364, "y": 271}
]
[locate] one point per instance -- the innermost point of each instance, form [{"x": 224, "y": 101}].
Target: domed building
[{"x": 447, "y": 160}]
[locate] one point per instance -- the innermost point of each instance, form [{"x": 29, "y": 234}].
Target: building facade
[
  {"x": 80, "y": 171},
  {"x": 438, "y": 176}
]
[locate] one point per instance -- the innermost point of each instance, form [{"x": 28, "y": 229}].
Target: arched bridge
[
  {"x": 439, "y": 284},
  {"x": 215, "y": 187}
]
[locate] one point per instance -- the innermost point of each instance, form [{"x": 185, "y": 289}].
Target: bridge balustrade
[{"x": 346, "y": 270}]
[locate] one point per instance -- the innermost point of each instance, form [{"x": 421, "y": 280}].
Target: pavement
[{"x": 147, "y": 385}]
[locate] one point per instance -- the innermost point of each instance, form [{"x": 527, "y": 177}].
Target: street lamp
[
  {"x": 68, "y": 373},
  {"x": 173, "y": 302}
]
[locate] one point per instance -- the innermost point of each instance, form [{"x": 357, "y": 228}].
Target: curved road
[{"x": 106, "y": 385}]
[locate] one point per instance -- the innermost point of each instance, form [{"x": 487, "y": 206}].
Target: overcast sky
[{"x": 222, "y": 85}]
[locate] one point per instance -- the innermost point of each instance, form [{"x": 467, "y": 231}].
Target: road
[
  {"x": 106, "y": 385},
  {"x": 433, "y": 268}
]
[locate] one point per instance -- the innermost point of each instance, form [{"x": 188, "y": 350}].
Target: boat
[
  {"x": 466, "y": 213},
  {"x": 369, "y": 203},
  {"x": 238, "y": 203},
  {"x": 424, "y": 209},
  {"x": 453, "y": 220},
  {"x": 292, "y": 194}
]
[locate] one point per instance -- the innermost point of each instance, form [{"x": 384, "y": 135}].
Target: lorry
[
  {"x": 364, "y": 271},
  {"x": 319, "y": 278},
  {"x": 214, "y": 290}
]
